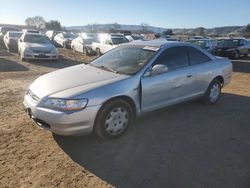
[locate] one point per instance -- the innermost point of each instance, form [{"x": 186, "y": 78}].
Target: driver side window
[{"x": 174, "y": 58}]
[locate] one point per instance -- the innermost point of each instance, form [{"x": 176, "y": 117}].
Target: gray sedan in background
[
  {"x": 129, "y": 81},
  {"x": 11, "y": 39},
  {"x": 36, "y": 46}
]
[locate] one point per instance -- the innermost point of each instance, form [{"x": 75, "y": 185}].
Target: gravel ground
[{"x": 187, "y": 145}]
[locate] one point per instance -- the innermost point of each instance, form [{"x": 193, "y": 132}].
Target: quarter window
[
  {"x": 174, "y": 58},
  {"x": 196, "y": 56}
]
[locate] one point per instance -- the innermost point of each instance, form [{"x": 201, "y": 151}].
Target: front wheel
[
  {"x": 113, "y": 119},
  {"x": 213, "y": 92},
  {"x": 236, "y": 55},
  {"x": 98, "y": 52}
]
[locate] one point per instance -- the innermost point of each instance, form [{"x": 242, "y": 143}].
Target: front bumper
[
  {"x": 77, "y": 123},
  {"x": 40, "y": 56}
]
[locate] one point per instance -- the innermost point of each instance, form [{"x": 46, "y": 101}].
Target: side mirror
[{"x": 157, "y": 69}]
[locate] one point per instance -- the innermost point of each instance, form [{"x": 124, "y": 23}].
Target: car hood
[
  {"x": 39, "y": 47},
  {"x": 72, "y": 81}
]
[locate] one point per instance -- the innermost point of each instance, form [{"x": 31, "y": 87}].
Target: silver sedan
[{"x": 107, "y": 94}]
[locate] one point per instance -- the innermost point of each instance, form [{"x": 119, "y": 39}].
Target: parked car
[
  {"x": 51, "y": 34},
  {"x": 64, "y": 39},
  {"x": 36, "y": 46},
  {"x": 126, "y": 82},
  {"x": 83, "y": 45},
  {"x": 106, "y": 42},
  {"x": 10, "y": 40},
  {"x": 206, "y": 44},
  {"x": 232, "y": 48},
  {"x": 4, "y": 30},
  {"x": 30, "y": 31}
]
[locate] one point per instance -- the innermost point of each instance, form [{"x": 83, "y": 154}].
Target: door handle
[{"x": 189, "y": 76}]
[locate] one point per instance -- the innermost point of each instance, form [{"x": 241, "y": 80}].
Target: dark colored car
[{"x": 232, "y": 48}]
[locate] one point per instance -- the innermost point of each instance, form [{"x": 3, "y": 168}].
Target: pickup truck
[{"x": 107, "y": 42}]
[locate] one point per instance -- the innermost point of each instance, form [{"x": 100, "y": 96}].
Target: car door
[
  {"x": 107, "y": 45},
  {"x": 202, "y": 66},
  {"x": 171, "y": 87}
]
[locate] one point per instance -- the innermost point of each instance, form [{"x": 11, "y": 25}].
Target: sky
[{"x": 161, "y": 13}]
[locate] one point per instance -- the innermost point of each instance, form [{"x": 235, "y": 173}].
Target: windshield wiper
[{"x": 108, "y": 69}]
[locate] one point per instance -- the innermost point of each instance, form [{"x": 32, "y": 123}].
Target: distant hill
[{"x": 238, "y": 30}]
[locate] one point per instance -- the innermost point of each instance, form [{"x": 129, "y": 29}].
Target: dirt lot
[{"x": 188, "y": 145}]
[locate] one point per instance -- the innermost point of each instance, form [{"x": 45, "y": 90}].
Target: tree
[
  {"x": 168, "y": 32},
  {"x": 200, "y": 31},
  {"x": 93, "y": 28},
  {"x": 36, "y": 21},
  {"x": 53, "y": 25},
  {"x": 116, "y": 26},
  {"x": 247, "y": 31}
]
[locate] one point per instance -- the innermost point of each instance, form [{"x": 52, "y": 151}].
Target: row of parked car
[{"x": 30, "y": 44}]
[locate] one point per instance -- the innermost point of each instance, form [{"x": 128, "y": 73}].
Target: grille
[{"x": 41, "y": 51}]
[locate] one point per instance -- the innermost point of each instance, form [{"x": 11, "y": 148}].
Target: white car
[
  {"x": 83, "y": 45},
  {"x": 36, "y": 46},
  {"x": 64, "y": 39},
  {"x": 10, "y": 40},
  {"x": 107, "y": 42}
]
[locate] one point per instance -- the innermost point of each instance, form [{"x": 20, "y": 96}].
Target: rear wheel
[
  {"x": 64, "y": 45},
  {"x": 113, "y": 119},
  {"x": 213, "y": 92}
]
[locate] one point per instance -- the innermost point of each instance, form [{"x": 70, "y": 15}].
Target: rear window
[{"x": 196, "y": 56}]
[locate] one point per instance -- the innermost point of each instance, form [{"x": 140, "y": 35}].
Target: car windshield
[
  {"x": 228, "y": 43},
  {"x": 69, "y": 35},
  {"x": 200, "y": 43},
  {"x": 119, "y": 40},
  {"x": 36, "y": 39},
  {"x": 15, "y": 35},
  {"x": 89, "y": 40},
  {"x": 124, "y": 59},
  {"x": 137, "y": 37}
]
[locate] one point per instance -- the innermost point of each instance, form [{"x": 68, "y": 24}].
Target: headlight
[
  {"x": 54, "y": 51},
  {"x": 28, "y": 50},
  {"x": 66, "y": 104}
]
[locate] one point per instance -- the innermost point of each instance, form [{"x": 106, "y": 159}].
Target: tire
[
  {"x": 113, "y": 119},
  {"x": 98, "y": 52},
  {"x": 64, "y": 45},
  {"x": 84, "y": 51},
  {"x": 213, "y": 92},
  {"x": 236, "y": 55}
]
